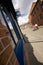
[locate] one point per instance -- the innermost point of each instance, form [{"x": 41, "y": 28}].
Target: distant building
[{"x": 36, "y": 13}]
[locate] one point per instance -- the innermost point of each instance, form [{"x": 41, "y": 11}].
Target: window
[
  {"x": 37, "y": 8},
  {"x": 42, "y": 2},
  {"x": 33, "y": 13},
  {"x": 41, "y": 16}
]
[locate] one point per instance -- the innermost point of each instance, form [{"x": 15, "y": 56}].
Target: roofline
[{"x": 35, "y": 6}]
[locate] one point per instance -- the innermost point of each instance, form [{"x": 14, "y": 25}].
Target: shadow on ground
[{"x": 32, "y": 58}]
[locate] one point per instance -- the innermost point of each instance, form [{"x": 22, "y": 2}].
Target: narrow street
[{"x": 35, "y": 41}]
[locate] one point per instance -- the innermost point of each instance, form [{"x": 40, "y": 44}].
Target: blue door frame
[
  {"x": 7, "y": 25},
  {"x": 19, "y": 47}
]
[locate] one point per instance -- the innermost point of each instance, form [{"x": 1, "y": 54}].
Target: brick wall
[
  {"x": 35, "y": 17},
  {"x": 7, "y": 55}
]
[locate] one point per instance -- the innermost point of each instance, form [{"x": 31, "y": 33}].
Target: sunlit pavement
[{"x": 36, "y": 40}]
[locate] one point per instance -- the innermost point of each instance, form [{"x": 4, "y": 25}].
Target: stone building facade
[{"x": 36, "y": 13}]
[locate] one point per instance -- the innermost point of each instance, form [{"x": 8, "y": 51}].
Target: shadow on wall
[{"x": 33, "y": 59}]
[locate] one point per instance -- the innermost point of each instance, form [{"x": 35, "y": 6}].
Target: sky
[{"x": 24, "y": 5}]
